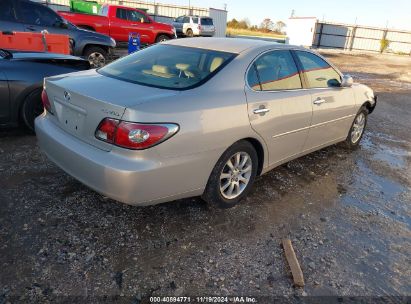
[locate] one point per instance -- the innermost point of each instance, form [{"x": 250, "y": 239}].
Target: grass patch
[{"x": 242, "y": 32}]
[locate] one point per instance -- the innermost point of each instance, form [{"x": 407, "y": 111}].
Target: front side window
[
  {"x": 168, "y": 66},
  {"x": 186, "y": 20},
  {"x": 275, "y": 70},
  {"x": 318, "y": 72},
  {"x": 37, "y": 14},
  {"x": 136, "y": 16}
]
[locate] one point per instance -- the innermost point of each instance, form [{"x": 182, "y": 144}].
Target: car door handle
[
  {"x": 319, "y": 101},
  {"x": 261, "y": 111}
]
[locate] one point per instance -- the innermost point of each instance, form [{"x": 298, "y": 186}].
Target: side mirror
[
  {"x": 347, "y": 81},
  {"x": 62, "y": 24}
]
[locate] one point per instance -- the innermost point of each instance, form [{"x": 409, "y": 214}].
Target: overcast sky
[{"x": 365, "y": 12}]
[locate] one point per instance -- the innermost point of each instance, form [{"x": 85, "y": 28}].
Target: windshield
[{"x": 168, "y": 66}]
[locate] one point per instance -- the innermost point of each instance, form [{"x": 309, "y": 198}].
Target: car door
[
  {"x": 333, "y": 105},
  {"x": 4, "y": 95},
  {"x": 280, "y": 110},
  {"x": 8, "y": 20},
  {"x": 126, "y": 22},
  {"x": 142, "y": 24}
]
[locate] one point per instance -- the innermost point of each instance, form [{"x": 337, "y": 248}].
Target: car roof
[{"x": 230, "y": 45}]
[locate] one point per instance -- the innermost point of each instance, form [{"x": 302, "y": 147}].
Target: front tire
[
  {"x": 31, "y": 108},
  {"x": 232, "y": 176},
  {"x": 97, "y": 56},
  {"x": 357, "y": 129}
]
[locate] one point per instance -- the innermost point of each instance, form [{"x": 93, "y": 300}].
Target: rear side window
[
  {"x": 318, "y": 72},
  {"x": 275, "y": 70},
  {"x": 168, "y": 66},
  {"x": 252, "y": 78},
  {"x": 186, "y": 20},
  {"x": 206, "y": 21},
  {"x": 6, "y": 11},
  {"x": 195, "y": 20}
]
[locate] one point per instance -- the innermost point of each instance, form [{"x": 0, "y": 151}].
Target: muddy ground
[{"x": 348, "y": 215}]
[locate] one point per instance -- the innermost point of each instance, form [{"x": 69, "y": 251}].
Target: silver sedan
[{"x": 200, "y": 116}]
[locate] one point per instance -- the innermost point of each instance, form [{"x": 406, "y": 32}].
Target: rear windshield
[
  {"x": 206, "y": 21},
  {"x": 168, "y": 66}
]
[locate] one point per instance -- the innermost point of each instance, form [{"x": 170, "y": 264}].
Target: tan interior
[
  {"x": 160, "y": 71},
  {"x": 215, "y": 64}
]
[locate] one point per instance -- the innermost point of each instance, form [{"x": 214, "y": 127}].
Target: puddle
[
  {"x": 395, "y": 157},
  {"x": 376, "y": 194}
]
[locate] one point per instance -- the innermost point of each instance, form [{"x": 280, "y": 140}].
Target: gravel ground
[{"x": 348, "y": 215}]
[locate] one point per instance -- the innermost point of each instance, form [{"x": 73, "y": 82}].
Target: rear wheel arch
[
  {"x": 23, "y": 99},
  {"x": 260, "y": 152}
]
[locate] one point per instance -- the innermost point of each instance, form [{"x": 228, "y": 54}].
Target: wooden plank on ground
[{"x": 293, "y": 262}]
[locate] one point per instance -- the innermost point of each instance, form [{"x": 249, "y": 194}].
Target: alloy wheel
[
  {"x": 235, "y": 175},
  {"x": 96, "y": 60},
  {"x": 358, "y": 128}
]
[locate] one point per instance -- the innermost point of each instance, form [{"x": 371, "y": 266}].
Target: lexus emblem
[{"x": 67, "y": 96}]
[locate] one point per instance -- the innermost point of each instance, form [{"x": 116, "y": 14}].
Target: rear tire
[
  {"x": 357, "y": 129},
  {"x": 236, "y": 171},
  {"x": 97, "y": 56},
  {"x": 162, "y": 38},
  {"x": 190, "y": 33},
  {"x": 31, "y": 108}
]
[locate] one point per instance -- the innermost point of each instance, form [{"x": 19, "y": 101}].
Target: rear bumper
[
  {"x": 207, "y": 34},
  {"x": 131, "y": 180}
]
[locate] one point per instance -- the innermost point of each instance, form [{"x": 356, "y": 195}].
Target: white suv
[{"x": 191, "y": 26}]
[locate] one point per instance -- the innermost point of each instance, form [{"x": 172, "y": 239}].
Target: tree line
[{"x": 267, "y": 25}]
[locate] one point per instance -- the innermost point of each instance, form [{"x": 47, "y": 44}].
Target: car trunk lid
[{"x": 80, "y": 101}]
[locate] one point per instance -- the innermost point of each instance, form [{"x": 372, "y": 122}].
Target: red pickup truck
[{"x": 118, "y": 21}]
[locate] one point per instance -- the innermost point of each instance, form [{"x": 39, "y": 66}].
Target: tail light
[
  {"x": 133, "y": 135},
  {"x": 46, "y": 102}
]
